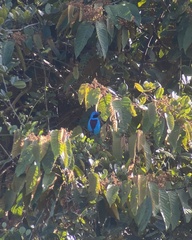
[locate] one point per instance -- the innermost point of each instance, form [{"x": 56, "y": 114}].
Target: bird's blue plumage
[{"x": 94, "y": 124}]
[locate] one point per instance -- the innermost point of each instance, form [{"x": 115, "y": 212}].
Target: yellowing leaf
[
  {"x": 71, "y": 9},
  {"x": 139, "y": 87},
  {"x": 140, "y": 3},
  {"x": 159, "y": 93},
  {"x": 83, "y": 93},
  {"x": 133, "y": 111}
]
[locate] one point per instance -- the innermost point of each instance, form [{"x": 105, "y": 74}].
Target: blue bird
[{"x": 94, "y": 124}]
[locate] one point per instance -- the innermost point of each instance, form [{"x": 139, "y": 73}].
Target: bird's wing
[{"x": 93, "y": 123}]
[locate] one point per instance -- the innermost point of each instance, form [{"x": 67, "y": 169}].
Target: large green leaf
[
  {"x": 102, "y": 35},
  {"x": 116, "y": 145},
  {"x": 55, "y": 143},
  {"x": 84, "y": 32},
  {"x": 94, "y": 185},
  {"x": 134, "y": 200},
  {"x": 69, "y": 158},
  {"x": 9, "y": 199},
  {"x": 112, "y": 193},
  {"x": 152, "y": 112},
  {"x": 93, "y": 97},
  {"x": 134, "y": 12},
  {"x": 48, "y": 161},
  {"x": 175, "y": 208},
  {"x": 154, "y": 192},
  {"x": 165, "y": 208},
  {"x": 159, "y": 129},
  {"x": 143, "y": 214},
  {"x": 123, "y": 108},
  {"x": 47, "y": 180},
  {"x": 7, "y": 52},
  {"x": 146, "y": 123},
  {"x": 142, "y": 188},
  {"x": 125, "y": 10},
  {"x": 25, "y": 160},
  {"x": 32, "y": 178},
  {"x": 174, "y": 136},
  {"x": 18, "y": 183},
  {"x": 104, "y": 106},
  {"x": 124, "y": 191},
  {"x": 187, "y": 40},
  {"x": 184, "y": 198}
]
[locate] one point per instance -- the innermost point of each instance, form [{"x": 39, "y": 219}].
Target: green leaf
[
  {"x": 134, "y": 200},
  {"x": 84, "y": 32},
  {"x": 25, "y": 160},
  {"x": 94, "y": 185},
  {"x": 142, "y": 188},
  {"x": 55, "y": 143},
  {"x": 165, "y": 209},
  {"x": 102, "y": 35},
  {"x": 93, "y": 97},
  {"x": 158, "y": 132},
  {"x": 32, "y": 178},
  {"x": 170, "y": 121},
  {"x": 7, "y": 52},
  {"x": 18, "y": 183},
  {"x": 184, "y": 198},
  {"x": 146, "y": 123},
  {"x": 112, "y": 193},
  {"x": 143, "y": 214},
  {"x": 174, "y": 136},
  {"x": 115, "y": 211},
  {"x": 147, "y": 154},
  {"x": 9, "y": 199},
  {"x": 124, "y": 37},
  {"x": 136, "y": 16},
  {"x": 187, "y": 70},
  {"x": 152, "y": 112},
  {"x": 187, "y": 40},
  {"x": 154, "y": 192},
  {"x": 123, "y": 108},
  {"x": 37, "y": 38},
  {"x": 48, "y": 161},
  {"x": 116, "y": 146},
  {"x": 124, "y": 191},
  {"x": 110, "y": 27},
  {"x": 66, "y": 154},
  {"x": 47, "y": 180},
  {"x": 104, "y": 106},
  {"x": 175, "y": 208},
  {"x": 1, "y": 20}
]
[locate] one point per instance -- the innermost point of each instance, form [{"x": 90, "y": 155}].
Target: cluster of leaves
[{"x": 80, "y": 180}]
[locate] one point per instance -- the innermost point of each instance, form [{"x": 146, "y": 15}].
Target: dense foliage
[{"x": 130, "y": 60}]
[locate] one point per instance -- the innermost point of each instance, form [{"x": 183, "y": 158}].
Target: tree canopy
[{"x": 129, "y": 60}]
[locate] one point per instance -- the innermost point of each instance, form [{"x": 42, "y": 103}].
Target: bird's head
[{"x": 95, "y": 114}]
